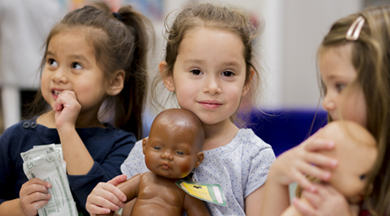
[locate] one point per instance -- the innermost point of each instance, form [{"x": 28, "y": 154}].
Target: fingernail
[
  {"x": 334, "y": 163},
  {"x": 313, "y": 189},
  {"x": 331, "y": 144},
  {"x": 326, "y": 176},
  {"x": 36, "y": 206}
]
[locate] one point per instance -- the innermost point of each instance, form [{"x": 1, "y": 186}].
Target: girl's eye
[
  {"x": 340, "y": 87},
  {"x": 196, "y": 72},
  {"x": 76, "y": 65},
  {"x": 362, "y": 177},
  {"x": 156, "y": 148},
  {"x": 227, "y": 73},
  {"x": 180, "y": 153},
  {"x": 52, "y": 62}
]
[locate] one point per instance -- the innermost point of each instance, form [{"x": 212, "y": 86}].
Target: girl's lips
[
  {"x": 55, "y": 93},
  {"x": 210, "y": 104}
]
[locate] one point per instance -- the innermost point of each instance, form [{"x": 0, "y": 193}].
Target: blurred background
[{"x": 286, "y": 49}]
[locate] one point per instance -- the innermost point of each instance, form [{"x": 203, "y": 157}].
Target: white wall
[{"x": 305, "y": 23}]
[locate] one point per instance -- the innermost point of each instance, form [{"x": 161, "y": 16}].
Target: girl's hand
[
  {"x": 294, "y": 164},
  {"x": 34, "y": 195},
  {"x": 105, "y": 197},
  {"x": 326, "y": 201},
  {"x": 67, "y": 109}
]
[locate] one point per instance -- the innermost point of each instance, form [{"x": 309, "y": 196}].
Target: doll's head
[
  {"x": 174, "y": 146},
  {"x": 356, "y": 151}
]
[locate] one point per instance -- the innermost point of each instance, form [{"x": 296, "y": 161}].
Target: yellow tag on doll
[{"x": 207, "y": 192}]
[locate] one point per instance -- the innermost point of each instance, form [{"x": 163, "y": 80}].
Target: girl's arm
[
  {"x": 84, "y": 173},
  {"x": 253, "y": 200},
  {"x": 293, "y": 166},
  {"x": 67, "y": 108}
]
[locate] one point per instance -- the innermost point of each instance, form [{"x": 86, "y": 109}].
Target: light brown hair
[{"x": 371, "y": 59}]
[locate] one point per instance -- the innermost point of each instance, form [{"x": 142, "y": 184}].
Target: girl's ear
[
  {"x": 246, "y": 87},
  {"x": 116, "y": 83},
  {"x": 167, "y": 79}
]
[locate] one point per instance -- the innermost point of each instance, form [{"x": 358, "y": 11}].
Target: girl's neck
[
  {"x": 83, "y": 121},
  {"x": 219, "y": 134}
]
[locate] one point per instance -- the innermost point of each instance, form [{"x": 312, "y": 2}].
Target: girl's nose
[
  {"x": 167, "y": 155},
  {"x": 212, "y": 85},
  {"x": 328, "y": 103},
  {"x": 59, "y": 76}
]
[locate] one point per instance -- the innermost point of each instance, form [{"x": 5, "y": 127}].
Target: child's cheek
[
  {"x": 147, "y": 160},
  {"x": 185, "y": 169}
]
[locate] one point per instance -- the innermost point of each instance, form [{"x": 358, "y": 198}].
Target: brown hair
[
  {"x": 371, "y": 59},
  {"x": 195, "y": 15},
  {"x": 120, "y": 42}
]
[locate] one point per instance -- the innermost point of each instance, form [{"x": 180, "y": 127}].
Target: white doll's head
[{"x": 356, "y": 151}]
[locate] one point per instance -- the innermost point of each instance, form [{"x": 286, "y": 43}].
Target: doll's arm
[
  {"x": 195, "y": 207},
  {"x": 131, "y": 187}
]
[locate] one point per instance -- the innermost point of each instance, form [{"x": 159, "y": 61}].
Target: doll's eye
[
  {"x": 156, "y": 148},
  {"x": 180, "y": 153},
  {"x": 362, "y": 177}
]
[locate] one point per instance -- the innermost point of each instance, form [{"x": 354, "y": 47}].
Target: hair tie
[
  {"x": 355, "y": 29},
  {"x": 118, "y": 16}
]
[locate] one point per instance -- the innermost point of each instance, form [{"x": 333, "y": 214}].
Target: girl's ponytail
[{"x": 129, "y": 116}]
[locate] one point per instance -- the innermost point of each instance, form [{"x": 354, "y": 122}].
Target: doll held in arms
[
  {"x": 356, "y": 150},
  {"x": 172, "y": 150}
]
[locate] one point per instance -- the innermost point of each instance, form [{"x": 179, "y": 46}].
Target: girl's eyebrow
[
  {"x": 78, "y": 57},
  {"x": 229, "y": 63},
  {"x": 49, "y": 53},
  {"x": 193, "y": 61}
]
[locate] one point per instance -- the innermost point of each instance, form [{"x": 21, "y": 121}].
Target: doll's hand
[
  {"x": 294, "y": 164},
  {"x": 67, "y": 109},
  {"x": 105, "y": 197},
  {"x": 34, "y": 195},
  {"x": 326, "y": 201}
]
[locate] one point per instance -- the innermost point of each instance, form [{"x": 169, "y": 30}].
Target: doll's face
[
  {"x": 350, "y": 178},
  {"x": 172, "y": 151},
  {"x": 356, "y": 152}
]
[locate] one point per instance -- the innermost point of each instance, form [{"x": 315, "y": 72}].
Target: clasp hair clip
[{"x": 355, "y": 29}]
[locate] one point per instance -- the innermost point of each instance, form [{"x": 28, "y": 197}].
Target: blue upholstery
[{"x": 286, "y": 128}]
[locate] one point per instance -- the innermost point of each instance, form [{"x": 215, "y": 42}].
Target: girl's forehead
[
  {"x": 341, "y": 51},
  {"x": 72, "y": 37},
  {"x": 336, "y": 62},
  {"x": 205, "y": 42}
]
